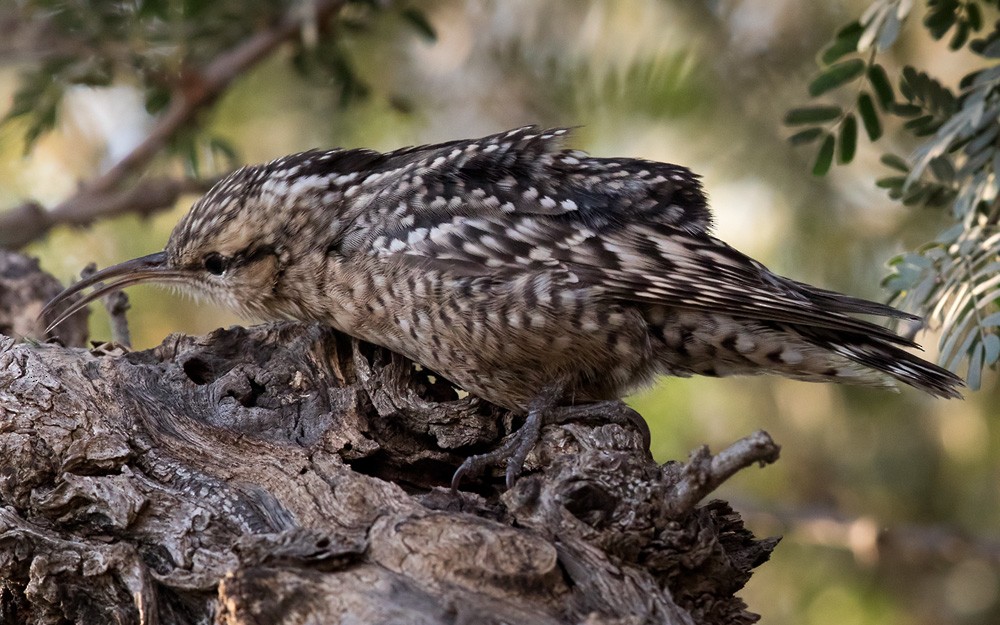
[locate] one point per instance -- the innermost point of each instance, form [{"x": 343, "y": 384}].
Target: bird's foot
[
  {"x": 515, "y": 449},
  {"x": 541, "y": 412}
]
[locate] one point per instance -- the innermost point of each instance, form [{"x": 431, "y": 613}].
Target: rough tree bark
[{"x": 287, "y": 474}]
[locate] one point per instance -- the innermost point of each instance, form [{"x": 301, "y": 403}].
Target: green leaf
[
  {"x": 991, "y": 50},
  {"x": 837, "y": 50},
  {"x": 891, "y": 182},
  {"x": 812, "y": 115},
  {"x": 895, "y": 162},
  {"x": 991, "y": 344},
  {"x": 824, "y": 158},
  {"x": 419, "y": 22},
  {"x": 879, "y": 80},
  {"x": 906, "y": 110},
  {"x": 889, "y": 31},
  {"x": 836, "y": 76},
  {"x": 845, "y": 42},
  {"x": 848, "y": 140},
  {"x": 974, "y": 377},
  {"x": 806, "y": 136},
  {"x": 983, "y": 140},
  {"x": 960, "y": 37},
  {"x": 916, "y": 194},
  {"x": 850, "y": 32},
  {"x": 905, "y": 87},
  {"x": 952, "y": 351},
  {"x": 919, "y": 123},
  {"x": 942, "y": 169},
  {"x": 974, "y": 16},
  {"x": 866, "y": 108},
  {"x": 990, "y": 321},
  {"x": 917, "y": 81},
  {"x": 940, "y": 21},
  {"x": 38, "y": 101}
]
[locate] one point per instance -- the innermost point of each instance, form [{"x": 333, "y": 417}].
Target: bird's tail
[
  {"x": 880, "y": 349},
  {"x": 883, "y": 357},
  {"x": 860, "y": 353}
]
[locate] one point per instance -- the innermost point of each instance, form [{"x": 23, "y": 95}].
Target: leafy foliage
[
  {"x": 166, "y": 44},
  {"x": 955, "y": 279}
]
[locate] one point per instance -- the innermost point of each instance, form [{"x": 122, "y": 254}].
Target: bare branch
[
  {"x": 249, "y": 469},
  {"x": 196, "y": 91},
  {"x": 30, "y": 221},
  {"x": 116, "y": 303},
  {"x": 703, "y": 472}
]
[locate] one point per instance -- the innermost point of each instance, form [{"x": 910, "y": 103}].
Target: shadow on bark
[{"x": 287, "y": 474}]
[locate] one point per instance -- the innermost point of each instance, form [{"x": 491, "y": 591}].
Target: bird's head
[{"x": 233, "y": 245}]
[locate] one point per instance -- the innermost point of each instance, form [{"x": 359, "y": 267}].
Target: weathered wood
[
  {"x": 24, "y": 290},
  {"x": 287, "y": 474}
]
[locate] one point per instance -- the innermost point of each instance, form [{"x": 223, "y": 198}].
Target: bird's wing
[
  {"x": 521, "y": 172},
  {"x": 635, "y": 230},
  {"x": 659, "y": 265},
  {"x": 637, "y": 262}
]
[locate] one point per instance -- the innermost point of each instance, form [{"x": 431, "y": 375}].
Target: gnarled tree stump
[{"x": 287, "y": 474}]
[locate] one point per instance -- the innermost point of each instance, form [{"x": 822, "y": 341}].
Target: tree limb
[
  {"x": 287, "y": 474},
  {"x": 198, "y": 89},
  {"x": 25, "y": 223}
]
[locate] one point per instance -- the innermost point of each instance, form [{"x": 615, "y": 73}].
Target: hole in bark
[
  {"x": 248, "y": 397},
  {"x": 322, "y": 543},
  {"x": 198, "y": 371},
  {"x": 417, "y": 476},
  {"x": 157, "y": 557},
  {"x": 432, "y": 386},
  {"x": 590, "y": 503}
]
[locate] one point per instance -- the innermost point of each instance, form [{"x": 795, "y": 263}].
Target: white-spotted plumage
[
  {"x": 507, "y": 262},
  {"x": 513, "y": 266},
  {"x": 525, "y": 273}
]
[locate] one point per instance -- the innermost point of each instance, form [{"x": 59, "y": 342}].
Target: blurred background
[{"x": 889, "y": 503}]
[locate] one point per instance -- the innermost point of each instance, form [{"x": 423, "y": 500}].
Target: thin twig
[
  {"x": 30, "y": 221},
  {"x": 703, "y": 472},
  {"x": 116, "y": 303}
]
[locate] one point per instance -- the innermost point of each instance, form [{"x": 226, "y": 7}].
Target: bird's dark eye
[{"x": 215, "y": 263}]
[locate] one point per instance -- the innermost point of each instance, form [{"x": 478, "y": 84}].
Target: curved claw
[
  {"x": 523, "y": 442},
  {"x": 516, "y": 448},
  {"x": 543, "y": 410},
  {"x": 474, "y": 465}
]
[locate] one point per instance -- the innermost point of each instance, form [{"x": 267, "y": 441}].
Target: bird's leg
[{"x": 515, "y": 450}]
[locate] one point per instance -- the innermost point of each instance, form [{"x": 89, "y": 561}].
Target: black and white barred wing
[
  {"x": 659, "y": 265},
  {"x": 520, "y": 173},
  {"x": 626, "y": 230}
]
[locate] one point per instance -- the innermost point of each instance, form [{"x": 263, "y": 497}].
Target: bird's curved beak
[{"x": 151, "y": 268}]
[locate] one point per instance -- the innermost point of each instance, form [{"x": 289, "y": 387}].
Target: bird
[{"x": 526, "y": 273}]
